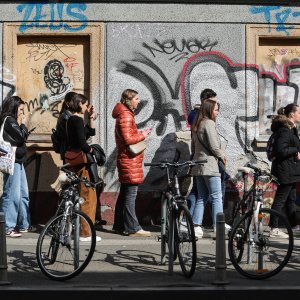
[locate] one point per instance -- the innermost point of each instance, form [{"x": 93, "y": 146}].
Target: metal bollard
[
  {"x": 3, "y": 255},
  {"x": 220, "y": 267}
]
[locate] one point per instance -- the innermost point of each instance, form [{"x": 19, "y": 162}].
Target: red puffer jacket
[{"x": 126, "y": 133}]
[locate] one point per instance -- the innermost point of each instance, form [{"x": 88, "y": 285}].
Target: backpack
[
  {"x": 270, "y": 148},
  {"x": 58, "y": 136}
]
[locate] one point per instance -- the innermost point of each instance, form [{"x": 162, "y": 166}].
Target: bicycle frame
[
  {"x": 254, "y": 206},
  {"x": 251, "y": 192},
  {"x": 169, "y": 206}
]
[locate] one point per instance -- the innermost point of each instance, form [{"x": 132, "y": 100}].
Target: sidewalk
[{"x": 130, "y": 267}]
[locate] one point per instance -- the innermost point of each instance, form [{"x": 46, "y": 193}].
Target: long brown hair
[{"x": 206, "y": 112}]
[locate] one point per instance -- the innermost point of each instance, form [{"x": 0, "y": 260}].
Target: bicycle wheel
[
  {"x": 254, "y": 251},
  {"x": 185, "y": 241},
  {"x": 60, "y": 253},
  {"x": 165, "y": 232}
]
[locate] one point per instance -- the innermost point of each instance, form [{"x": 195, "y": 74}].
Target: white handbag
[
  {"x": 7, "y": 161},
  {"x": 137, "y": 148}
]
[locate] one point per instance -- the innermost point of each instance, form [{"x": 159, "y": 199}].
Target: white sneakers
[
  {"x": 89, "y": 238},
  {"x": 227, "y": 228},
  {"x": 277, "y": 233},
  {"x": 140, "y": 233},
  {"x": 198, "y": 232}
]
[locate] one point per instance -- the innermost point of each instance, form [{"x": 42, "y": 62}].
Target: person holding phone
[
  {"x": 77, "y": 134},
  {"x": 15, "y": 197},
  {"x": 129, "y": 166}
]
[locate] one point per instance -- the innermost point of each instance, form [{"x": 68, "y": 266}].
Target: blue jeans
[
  {"x": 192, "y": 197},
  {"x": 208, "y": 189},
  {"x": 125, "y": 216},
  {"x": 15, "y": 199}
]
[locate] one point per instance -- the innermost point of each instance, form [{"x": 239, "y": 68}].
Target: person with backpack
[
  {"x": 285, "y": 165},
  {"x": 77, "y": 134},
  {"x": 59, "y": 141},
  {"x": 59, "y": 137}
]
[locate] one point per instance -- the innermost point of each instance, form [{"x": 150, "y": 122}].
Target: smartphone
[
  {"x": 3, "y": 151},
  {"x": 31, "y": 130}
]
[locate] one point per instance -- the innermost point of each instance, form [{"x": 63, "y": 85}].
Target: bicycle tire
[
  {"x": 268, "y": 255},
  {"x": 185, "y": 241},
  {"x": 57, "y": 247},
  {"x": 165, "y": 235}
]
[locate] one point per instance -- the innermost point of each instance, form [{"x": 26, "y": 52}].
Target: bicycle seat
[{"x": 245, "y": 170}]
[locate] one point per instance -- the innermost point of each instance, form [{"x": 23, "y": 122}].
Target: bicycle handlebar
[
  {"x": 175, "y": 164},
  {"x": 74, "y": 177},
  {"x": 261, "y": 172}
]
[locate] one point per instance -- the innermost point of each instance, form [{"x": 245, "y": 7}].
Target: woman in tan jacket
[
  {"x": 129, "y": 166},
  {"x": 207, "y": 145}
]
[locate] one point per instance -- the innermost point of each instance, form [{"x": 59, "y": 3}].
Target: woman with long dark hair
[{"x": 15, "y": 197}]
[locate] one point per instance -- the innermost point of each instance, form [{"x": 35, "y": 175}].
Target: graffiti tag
[
  {"x": 52, "y": 16},
  {"x": 185, "y": 47},
  {"x": 281, "y": 15}
]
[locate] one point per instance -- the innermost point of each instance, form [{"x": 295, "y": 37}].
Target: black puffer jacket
[
  {"x": 285, "y": 167},
  {"x": 17, "y": 136}
]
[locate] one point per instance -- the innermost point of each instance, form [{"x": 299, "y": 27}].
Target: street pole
[
  {"x": 220, "y": 267},
  {"x": 3, "y": 255}
]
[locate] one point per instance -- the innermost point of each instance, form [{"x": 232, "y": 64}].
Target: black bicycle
[
  {"x": 257, "y": 250},
  {"x": 61, "y": 254},
  {"x": 177, "y": 229}
]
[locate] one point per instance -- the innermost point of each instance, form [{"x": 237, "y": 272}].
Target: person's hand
[
  {"x": 21, "y": 119},
  {"x": 91, "y": 112},
  {"x": 225, "y": 161},
  {"x": 90, "y": 109},
  {"x": 146, "y": 132}
]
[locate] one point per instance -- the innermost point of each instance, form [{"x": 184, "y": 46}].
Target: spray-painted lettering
[{"x": 52, "y": 16}]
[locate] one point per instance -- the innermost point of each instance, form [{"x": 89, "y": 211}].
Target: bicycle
[
  {"x": 177, "y": 229},
  {"x": 254, "y": 250},
  {"x": 243, "y": 205},
  {"x": 61, "y": 255}
]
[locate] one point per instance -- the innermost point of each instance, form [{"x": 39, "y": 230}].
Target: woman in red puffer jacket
[{"x": 129, "y": 166}]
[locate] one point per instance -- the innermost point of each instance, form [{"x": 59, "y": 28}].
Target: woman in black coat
[{"x": 286, "y": 166}]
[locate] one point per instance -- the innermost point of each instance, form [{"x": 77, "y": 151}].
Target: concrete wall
[{"x": 169, "y": 53}]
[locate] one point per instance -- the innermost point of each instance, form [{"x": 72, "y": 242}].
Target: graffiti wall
[
  {"x": 254, "y": 70},
  {"x": 169, "y": 65},
  {"x": 49, "y": 68}
]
